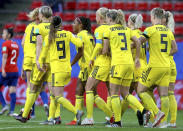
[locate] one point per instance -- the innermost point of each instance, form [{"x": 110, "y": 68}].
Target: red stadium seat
[
  {"x": 71, "y": 5},
  {"x": 22, "y": 16},
  {"x": 9, "y": 25},
  {"x": 81, "y": 14},
  {"x": 142, "y": 6},
  {"x": 92, "y": 16},
  {"x": 18, "y": 36},
  {"x": 107, "y": 5},
  {"x": 179, "y": 39},
  {"x": 82, "y": 5},
  {"x": 69, "y": 17},
  {"x": 36, "y": 4},
  {"x": 179, "y": 30},
  {"x": 142, "y": 28},
  {"x": 167, "y": 5},
  {"x": 146, "y": 17},
  {"x": 94, "y": 5},
  {"x": 94, "y": 27},
  {"x": 119, "y": 5},
  {"x": 68, "y": 27},
  {"x": 58, "y": 14},
  {"x": 154, "y": 5},
  {"x": 20, "y": 28},
  {"x": 178, "y": 17},
  {"x": 130, "y": 6},
  {"x": 178, "y": 6}
]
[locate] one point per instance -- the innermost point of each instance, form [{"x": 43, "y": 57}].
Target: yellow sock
[
  {"x": 152, "y": 95},
  {"x": 89, "y": 103},
  {"x": 52, "y": 108},
  {"x": 134, "y": 103},
  {"x": 27, "y": 92},
  {"x": 109, "y": 103},
  {"x": 134, "y": 108},
  {"x": 57, "y": 112},
  {"x": 116, "y": 107},
  {"x": 29, "y": 103},
  {"x": 66, "y": 103},
  {"x": 79, "y": 103},
  {"x": 124, "y": 106},
  {"x": 173, "y": 107},
  {"x": 146, "y": 99},
  {"x": 103, "y": 106},
  {"x": 165, "y": 107}
]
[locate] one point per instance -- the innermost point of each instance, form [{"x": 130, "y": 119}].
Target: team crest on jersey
[
  {"x": 4, "y": 48},
  {"x": 96, "y": 34},
  {"x": 74, "y": 35},
  {"x": 145, "y": 32}
]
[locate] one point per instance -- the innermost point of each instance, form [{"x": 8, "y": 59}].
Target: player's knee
[{"x": 12, "y": 89}]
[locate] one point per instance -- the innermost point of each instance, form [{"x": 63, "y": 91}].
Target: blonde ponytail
[
  {"x": 137, "y": 20},
  {"x": 121, "y": 18},
  {"x": 102, "y": 12},
  {"x": 170, "y": 21},
  {"x": 33, "y": 14}
]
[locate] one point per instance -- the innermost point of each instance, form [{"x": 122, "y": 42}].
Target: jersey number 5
[
  {"x": 61, "y": 47},
  {"x": 164, "y": 42},
  {"x": 14, "y": 53},
  {"x": 123, "y": 41}
]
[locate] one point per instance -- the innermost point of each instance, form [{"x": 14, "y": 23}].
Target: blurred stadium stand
[{"x": 13, "y": 12}]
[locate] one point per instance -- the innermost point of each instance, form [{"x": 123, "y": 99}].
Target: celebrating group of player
[{"x": 116, "y": 56}]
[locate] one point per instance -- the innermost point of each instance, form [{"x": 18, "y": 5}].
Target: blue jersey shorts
[{"x": 11, "y": 79}]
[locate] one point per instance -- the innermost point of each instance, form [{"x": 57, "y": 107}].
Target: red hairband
[{"x": 78, "y": 20}]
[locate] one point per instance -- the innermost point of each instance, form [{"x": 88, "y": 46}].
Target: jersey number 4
[
  {"x": 164, "y": 42},
  {"x": 61, "y": 47},
  {"x": 123, "y": 40},
  {"x": 14, "y": 53}
]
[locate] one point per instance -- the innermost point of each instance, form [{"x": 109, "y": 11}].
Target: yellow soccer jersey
[
  {"x": 30, "y": 41},
  {"x": 88, "y": 44},
  {"x": 143, "y": 60},
  {"x": 120, "y": 44},
  {"x": 159, "y": 39},
  {"x": 43, "y": 30},
  {"x": 101, "y": 60},
  {"x": 60, "y": 50}
]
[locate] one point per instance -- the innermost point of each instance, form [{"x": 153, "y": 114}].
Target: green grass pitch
[{"x": 129, "y": 122}]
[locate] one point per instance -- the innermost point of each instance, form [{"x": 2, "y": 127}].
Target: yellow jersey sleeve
[
  {"x": 75, "y": 40},
  {"x": 45, "y": 49},
  {"x": 148, "y": 32},
  {"x": 106, "y": 34}
]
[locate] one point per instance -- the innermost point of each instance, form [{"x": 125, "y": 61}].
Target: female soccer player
[
  {"x": 58, "y": 44},
  {"x": 118, "y": 37},
  {"x": 29, "y": 46},
  {"x": 100, "y": 71},
  {"x": 38, "y": 76},
  {"x": 169, "y": 22},
  {"x": 135, "y": 22},
  {"x": 82, "y": 27},
  {"x": 158, "y": 72},
  {"x": 9, "y": 70}
]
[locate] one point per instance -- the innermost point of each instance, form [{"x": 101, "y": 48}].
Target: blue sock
[
  {"x": 2, "y": 99},
  {"x": 33, "y": 110},
  {"x": 12, "y": 101},
  {"x": 44, "y": 97}
]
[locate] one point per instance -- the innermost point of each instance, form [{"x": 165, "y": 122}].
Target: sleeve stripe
[
  {"x": 106, "y": 38},
  {"x": 145, "y": 35},
  {"x": 98, "y": 41}
]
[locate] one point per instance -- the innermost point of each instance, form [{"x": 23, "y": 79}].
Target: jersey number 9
[
  {"x": 123, "y": 40},
  {"x": 164, "y": 42},
  {"x": 61, "y": 47}
]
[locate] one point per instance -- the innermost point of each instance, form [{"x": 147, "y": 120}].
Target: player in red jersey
[{"x": 9, "y": 70}]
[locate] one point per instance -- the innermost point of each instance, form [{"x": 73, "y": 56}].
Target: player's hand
[
  {"x": 3, "y": 73},
  {"x": 91, "y": 63},
  {"x": 23, "y": 75},
  {"x": 137, "y": 63},
  {"x": 38, "y": 66}
]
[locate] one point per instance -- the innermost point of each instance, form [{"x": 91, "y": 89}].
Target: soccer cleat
[
  {"x": 48, "y": 122},
  {"x": 4, "y": 109},
  {"x": 146, "y": 116},
  {"x": 107, "y": 120},
  {"x": 79, "y": 116},
  {"x": 172, "y": 125},
  {"x": 58, "y": 120},
  {"x": 115, "y": 124},
  {"x": 87, "y": 121},
  {"x": 139, "y": 117},
  {"x": 46, "y": 109},
  {"x": 163, "y": 125},
  {"x": 158, "y": 118},
  {"x": 111, "y": 120},
  {"x": 21, "y": 119},
  {"x": 71, "y": 123},
  {"x": 11, "y": 113},
  {"x": 148, "y": 125}
]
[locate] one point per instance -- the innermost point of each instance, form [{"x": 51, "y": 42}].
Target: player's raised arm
[{"x": 78, "y": 56}]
